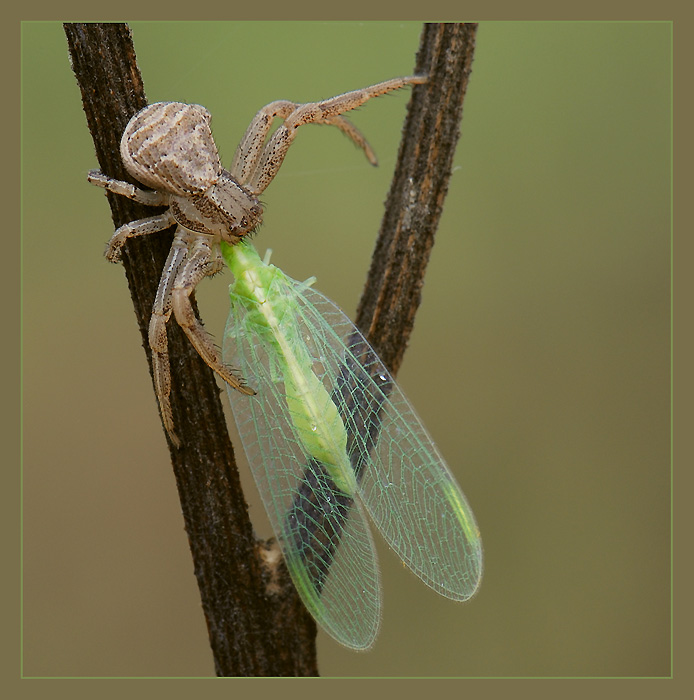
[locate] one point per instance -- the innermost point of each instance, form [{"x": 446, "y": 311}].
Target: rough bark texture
[
  {"x": 252, "y": 633},
  {"x": 393, "y": 288}
]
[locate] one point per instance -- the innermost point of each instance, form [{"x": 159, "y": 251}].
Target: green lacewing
[{"x": 330, "y": 438}]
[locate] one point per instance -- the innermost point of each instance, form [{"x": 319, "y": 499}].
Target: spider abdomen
[{"x": 169, "y": 146}]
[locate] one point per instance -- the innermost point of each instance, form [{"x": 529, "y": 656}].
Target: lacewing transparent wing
[{"x": 330, "y": 437}]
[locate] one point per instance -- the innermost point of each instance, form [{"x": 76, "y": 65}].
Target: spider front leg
[
  {"x": 149, "y": 197},
  {"x": 182, "y": 272},
  {"x": 262, "y": 166},
  {"x": 141, "y": 227},
  {"x": 201, "y": 263},
  {"x": 250, "y": 148},
  {"x": 158, "y": 341}
]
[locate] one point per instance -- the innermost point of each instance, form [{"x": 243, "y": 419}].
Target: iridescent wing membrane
[{"x": 400, "y": 478}]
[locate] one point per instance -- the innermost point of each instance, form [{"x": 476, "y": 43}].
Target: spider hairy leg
[
  {"x": 157, "y": 336},
  {"x": 249, "y": 149},
  {"x": 250, "y": 146},
  {"x": 161, "y": 370},
  {"x": 347, "y": 128},
  {"x": 149, "y": 197},
  {"x": 202, "y": 340},
  {"x": 141, "y": 227},
  {"x": 329, "y": 111},
  {"x": 198, "y": 265},
  {"x": 356, "y": 98}
]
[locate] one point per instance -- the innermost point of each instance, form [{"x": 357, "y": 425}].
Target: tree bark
[
  {"x": 252, "y": 632},
  {"x": 420, "y": 183}
]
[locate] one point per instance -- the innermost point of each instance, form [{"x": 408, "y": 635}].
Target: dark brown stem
[
  {"x": 393, "y": 288},
  {"x": 253, "y": 633}
]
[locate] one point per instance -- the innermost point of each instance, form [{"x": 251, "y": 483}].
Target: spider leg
[
  {"x": 141, "y": 227},
  {"x": 153, "y": 199},
  {"x": 161, "y": 312},
  {"x": 249, "y": 149},
  {"x": 347, "y": 128},
  {"x": 250, "y": 146},
  {"x": 161, "y": 372},
  {"x": 200, "y": 264},
  {"x": 328, "y": 111}
]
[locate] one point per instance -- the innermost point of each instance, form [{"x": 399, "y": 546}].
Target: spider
[{"x": 168, "y": 146}]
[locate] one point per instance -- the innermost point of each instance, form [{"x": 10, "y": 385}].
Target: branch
[
  {"x": 392, "y": 293},
  {"x": 252, "y": 633}
]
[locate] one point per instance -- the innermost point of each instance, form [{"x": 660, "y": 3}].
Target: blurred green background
[{"x": 539, "y": 360}]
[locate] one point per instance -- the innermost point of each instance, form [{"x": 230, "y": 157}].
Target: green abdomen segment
[
  {"x": 317, "y": 421},
  {"x": 270, "y": 313}
]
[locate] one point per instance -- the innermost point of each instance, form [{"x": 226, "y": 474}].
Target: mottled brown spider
[{"x": 168, "y": 146}]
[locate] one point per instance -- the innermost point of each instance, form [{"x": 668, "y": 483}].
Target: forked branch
[{"x": 251, "y": 633}]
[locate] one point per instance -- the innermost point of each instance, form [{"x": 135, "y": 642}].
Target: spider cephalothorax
[{"x": 169, "y": 147}]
